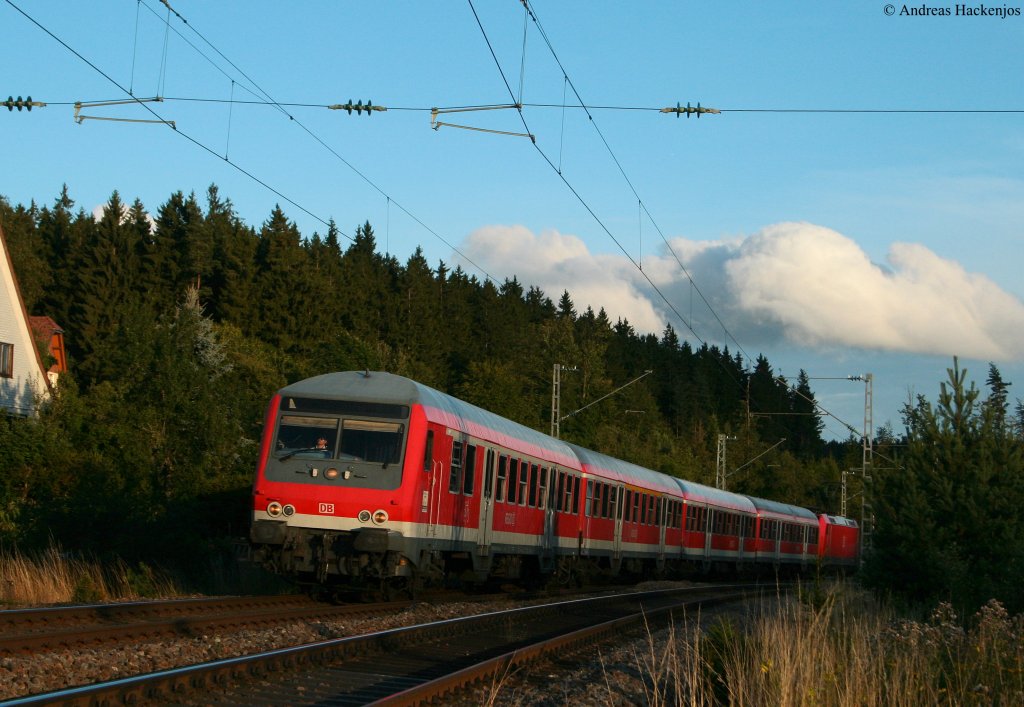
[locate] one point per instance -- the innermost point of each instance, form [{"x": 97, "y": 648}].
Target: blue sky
[{"x": 840, "y": 243}]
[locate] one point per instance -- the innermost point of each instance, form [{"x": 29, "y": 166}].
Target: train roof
[
  {"x": 623, "y": 471},
  {"x": 618, "y": 470},
  {"x": 839, "y": 520},
  {"x": 763, "y": 504},
  {"x": 381, "y": 387},
  {"x": 715, "y": 497}
]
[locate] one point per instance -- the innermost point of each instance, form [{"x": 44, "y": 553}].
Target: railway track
[
  {"x": 34, "y": 630},
  {"x": 399, "y": 666}
]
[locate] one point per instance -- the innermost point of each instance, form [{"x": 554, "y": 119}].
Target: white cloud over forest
[{"x": 798, "y": 282}]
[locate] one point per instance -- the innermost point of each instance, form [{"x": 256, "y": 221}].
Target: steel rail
[
  {"x": 34, "y": 630},
  {"x": 162, "y": 686}
]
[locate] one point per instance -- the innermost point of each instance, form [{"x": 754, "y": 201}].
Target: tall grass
[
  {"x": 53, "y": 577},
  {"x": 843, "y": 649}
]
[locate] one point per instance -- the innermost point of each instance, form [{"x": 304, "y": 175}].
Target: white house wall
[{"x": 19, "y": 394}]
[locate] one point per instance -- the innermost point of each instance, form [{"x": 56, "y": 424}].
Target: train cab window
[
  {"x": 470, "y": 470},
  {"x": 372, "y": 441},
  {"x": 307, "y": 437},
  {"x": 513, "y": 482},
  {"x": 502, "y": 478},
  {"x": 533, "y": 485},
  {"x": 455, "y": 470},
  {"x": 428, "y": 452}
]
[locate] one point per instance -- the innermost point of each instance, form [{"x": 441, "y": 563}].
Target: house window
[{"x": 7, "y": 360}]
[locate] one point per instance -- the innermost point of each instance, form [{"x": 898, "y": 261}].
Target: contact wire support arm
[
  {"x": 436, "y": 124},
  {"x": 79, "y": 105}
]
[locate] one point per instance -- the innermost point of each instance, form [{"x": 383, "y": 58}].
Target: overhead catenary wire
[
  {"x": 573, "y": 190},
  {"x": 327, "y": 147},
  {"x": 269, "y": 101},
  {"x": 599, "y": 221},
  {"x": 589, "y": 107},
  {"x": 159, "y": 117}
]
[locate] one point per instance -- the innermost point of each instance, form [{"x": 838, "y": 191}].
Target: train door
[
  {"x": 617, "y": 494},
  {"x": 709, "y": 523},
  {"x": 461, "y": 487},
  {"x": 430, "y": 503},
  {"x": 483, "y": 538},
  {"x": 586, "y": 513},
  {"x": 549, "y": 503},
  {"x": 662, "y": 513},
  {"x": 741, "y": 533}
]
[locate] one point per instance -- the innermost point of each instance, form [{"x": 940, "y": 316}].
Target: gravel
[{"x": 609, "y": 676}]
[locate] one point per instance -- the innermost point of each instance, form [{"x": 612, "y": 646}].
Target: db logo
[{"x": 327, "y": 508}]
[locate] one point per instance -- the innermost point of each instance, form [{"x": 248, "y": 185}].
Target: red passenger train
[{"x": 372, "y": 480}]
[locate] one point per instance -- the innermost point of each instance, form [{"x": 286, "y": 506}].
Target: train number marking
[{"x": 326, "y": 509}]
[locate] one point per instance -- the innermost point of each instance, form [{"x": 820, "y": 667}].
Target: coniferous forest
[{"x": 180, "y": 323}]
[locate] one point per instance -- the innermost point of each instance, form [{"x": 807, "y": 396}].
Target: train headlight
[
  {"x": 273, "y": 509},
  {"x": 380, "y": 516},
  {"x": 364, "y": 516},
  {"x": 288, "y": 510},
  {"x": 331, "y": 474}
]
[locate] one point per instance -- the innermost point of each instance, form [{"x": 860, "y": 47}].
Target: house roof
[{"x": 44, "y": 326}]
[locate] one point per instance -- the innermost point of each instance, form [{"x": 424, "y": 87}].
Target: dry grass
[
  {"x": 53, "y": 577},
  {"x": 841, "y": 649}
]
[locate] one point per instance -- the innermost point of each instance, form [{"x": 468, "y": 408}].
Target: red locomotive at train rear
[{"x": 374, "y": 481}]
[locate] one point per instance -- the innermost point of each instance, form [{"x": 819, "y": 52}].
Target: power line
[
  {"x": 239, "y": 168},
  {"x": 624, "y": 108},
  {"x": 320, "y": 141},
  {"x": 162, "y": 119},
  {"x": 583, "y": 201}
]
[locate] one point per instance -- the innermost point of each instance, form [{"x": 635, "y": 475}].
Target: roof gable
[{"x": 26, "y": 383}]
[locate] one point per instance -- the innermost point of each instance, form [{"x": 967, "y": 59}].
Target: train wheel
[{"x": 398, "y": 588}]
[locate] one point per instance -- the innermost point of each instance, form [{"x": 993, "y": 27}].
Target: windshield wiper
[{"x": 292, "y": 453}]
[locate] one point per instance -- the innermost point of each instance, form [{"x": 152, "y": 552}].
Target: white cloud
[
  {"x": 556, "y": 262},
  {"x": 798, "y": 282},
  {"x": 821, "y": 290}
]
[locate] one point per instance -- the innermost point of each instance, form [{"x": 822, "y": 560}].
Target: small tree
[{"x": 949, "y": 519}]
